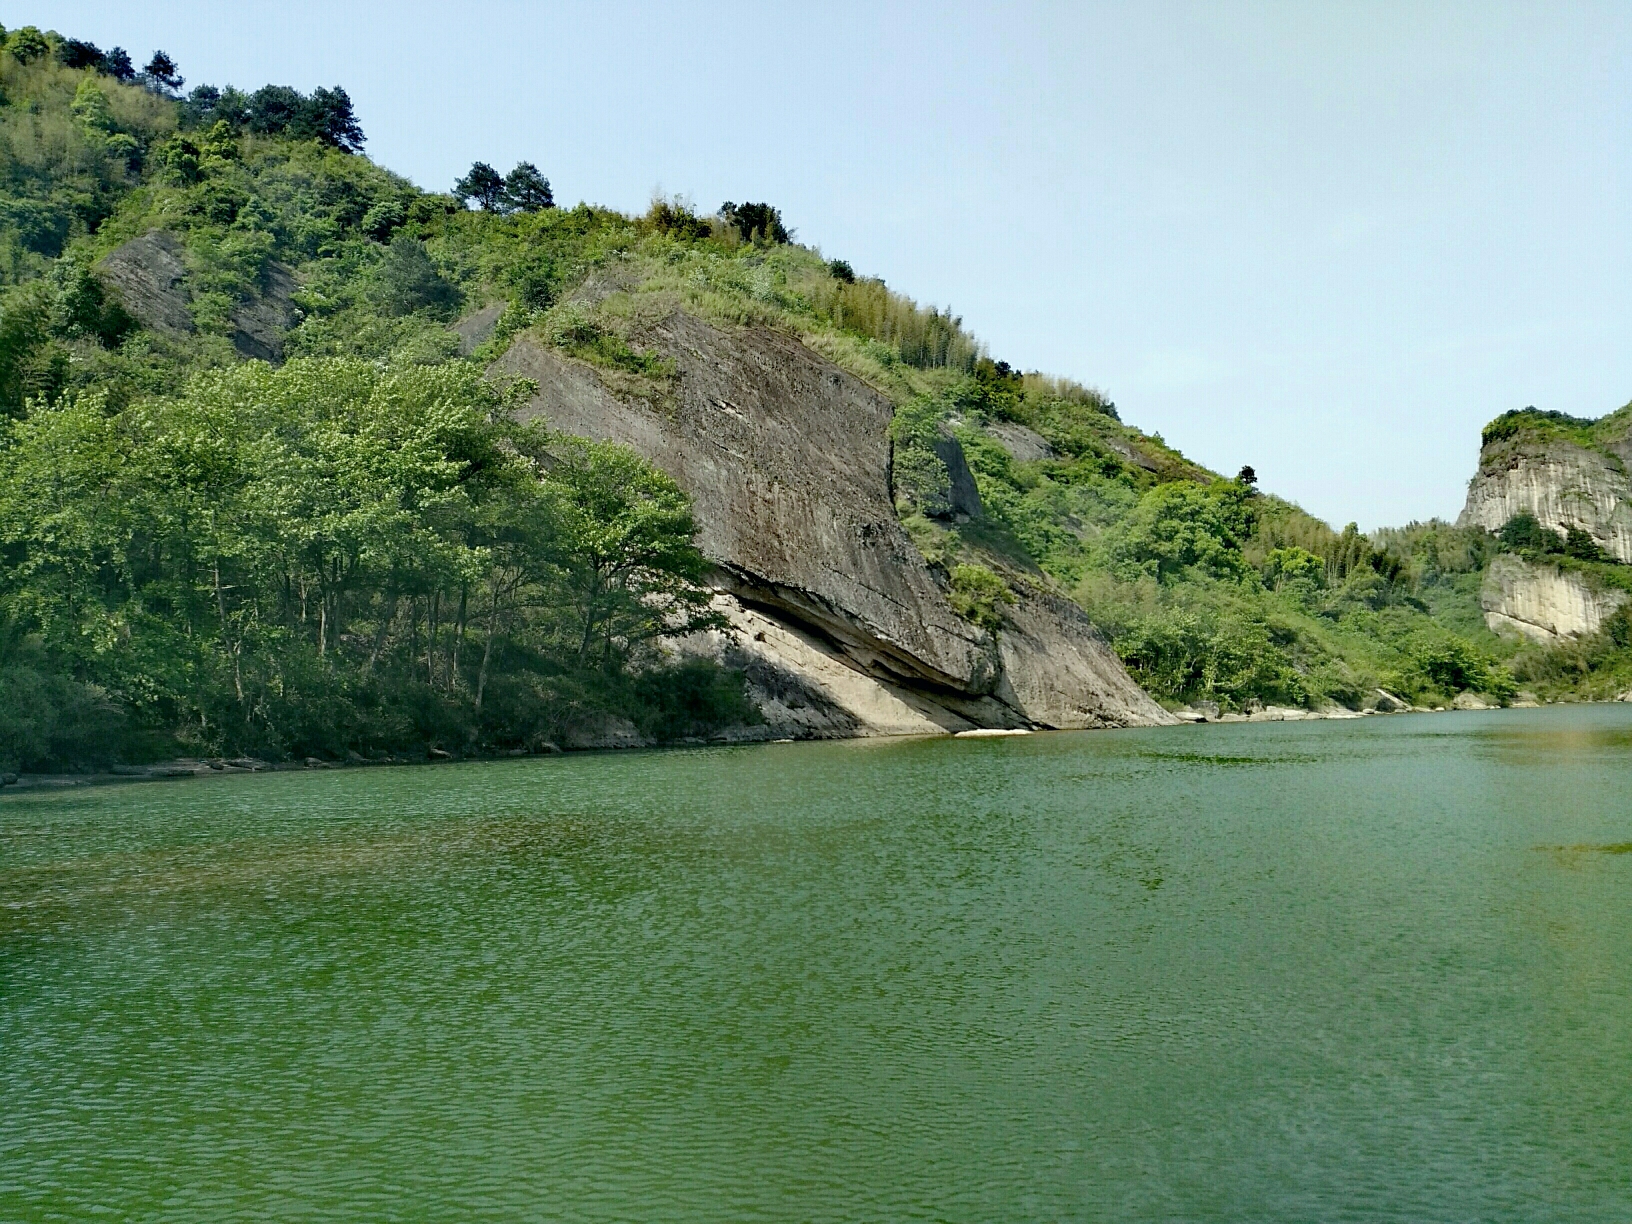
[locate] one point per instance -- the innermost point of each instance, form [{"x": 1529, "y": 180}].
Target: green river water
[{"x": 1376, "y": 970}]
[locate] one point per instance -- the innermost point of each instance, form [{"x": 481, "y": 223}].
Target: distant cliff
[
  {"x": 1564, "y": 471},
  {"x": 1545, "y": 601},
  {"x": 1555, "y": 492}
]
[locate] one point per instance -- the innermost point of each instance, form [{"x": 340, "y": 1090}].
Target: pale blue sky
[{"x": 1327, "y": 240}]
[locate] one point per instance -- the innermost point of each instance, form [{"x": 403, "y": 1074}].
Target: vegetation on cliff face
[{"x": 361, "y": 552}]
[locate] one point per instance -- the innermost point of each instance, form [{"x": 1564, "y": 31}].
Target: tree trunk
[
  {"x": 221, "y": 610},
  {"x": 433, "y": 609},
  {"x": 381, "y": 633},
  {"x": 458, "y": 637},
  {"x": 487, "y": 647}
]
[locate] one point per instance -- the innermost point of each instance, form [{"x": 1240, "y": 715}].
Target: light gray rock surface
[
  {"x": 476, "y": 328},
  {"x": 1543, "y": 602},
  {"x": 1057, "y": 671},
  {"x": 843, "y": 627},
  {"x": 1562, "y": 484},
  {"x": 260, "y": 323},
  {"x": 1024, "y": 445}
]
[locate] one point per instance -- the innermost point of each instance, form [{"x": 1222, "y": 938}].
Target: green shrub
[
  {"x": 977, "y": 595},
  {"x": 691, "y": 698},
  {"x": 1524, "y": 533},
  {"x": 676, "y": 219},
  {"x": 1440, "y": 663},
  {"x": 1184, "y": 656},
  {"x": 1180, "y": 526},
  {"x": 407, "y": 281}
]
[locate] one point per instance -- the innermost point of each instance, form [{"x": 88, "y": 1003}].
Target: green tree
[
  {"x": 27, "y": 45},
  {"x": 526, "y": 190},
  {"x": 628, "y": 572},
  {"x": 483, "y": 184},
  {"x": 327, "y": 117},
  {"x": 161, "y": 75},
  {"x": 1180, "y": 526},
  {"x": 1523, "y": 533},
  {"x": 757, "y": 222},
  {"x": 406, "y": 280}
]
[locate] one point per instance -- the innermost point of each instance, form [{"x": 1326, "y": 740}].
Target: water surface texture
[{"x": 1372, "y": 970}]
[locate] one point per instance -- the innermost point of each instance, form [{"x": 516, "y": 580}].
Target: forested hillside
[{"x": 257, "y": 494}]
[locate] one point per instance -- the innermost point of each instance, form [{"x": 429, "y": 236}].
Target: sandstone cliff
[
  {"x": 1561, "y": 482},
  {"x": 1544, "y": 602},
  {"x": 840, "y": 624}
]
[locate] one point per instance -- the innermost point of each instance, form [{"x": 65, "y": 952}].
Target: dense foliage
[
  {"x": 323, "y": 559},
  {"x": 359, "y": 552}
]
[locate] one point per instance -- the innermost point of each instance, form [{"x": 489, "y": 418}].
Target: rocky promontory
[
  {"x": 1566, "y": 475},
  {"x": 841, "y": 625}
]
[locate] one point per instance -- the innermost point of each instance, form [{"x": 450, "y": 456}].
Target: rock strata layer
[
  {"x": 1560, "y": 483},
  {"x": 840, "y": 624},
  {"x": 1544, "y": 602},
  {"x": 149, "y": 277}
]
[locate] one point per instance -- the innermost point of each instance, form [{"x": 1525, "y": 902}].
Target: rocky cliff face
[
  {"x": 1559, "y": 482},
  {"x": 1544, "y": 602},
  {"x": 840, "y": 624},
  {"x": 149, "y": 276}
]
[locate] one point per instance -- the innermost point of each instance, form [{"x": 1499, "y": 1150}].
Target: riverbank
[{"x": 205, "y": 767}]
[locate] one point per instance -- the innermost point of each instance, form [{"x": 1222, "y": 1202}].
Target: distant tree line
[
  {"x": 324, "y": 115},
  {"x": 29, "y": 44}
]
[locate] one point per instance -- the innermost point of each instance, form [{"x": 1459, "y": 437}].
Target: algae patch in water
[
  {"x": 1205, "y": 758},
  {"x": 1590, "y": 848}
]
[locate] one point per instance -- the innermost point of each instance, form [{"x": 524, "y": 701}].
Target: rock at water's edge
[
  {"x": 1543, "y": 602},
  {"x": 786, "y": 459}
]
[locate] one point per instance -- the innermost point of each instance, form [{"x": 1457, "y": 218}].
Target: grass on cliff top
[{"x": 1586, "y": 432}]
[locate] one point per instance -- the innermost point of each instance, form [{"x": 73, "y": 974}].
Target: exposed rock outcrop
[
  {"x": 1024, "y": 445},
  {"x": 1544, "y": 602},
  {"x": 149, "y": 277},
  {"x": 476, "y": 328},
  {"x": 260, "y": 322},
  {"x": 963, "y": 495},
  {"x": 150, "y": 280},
  {"x": 842, "y": 626},
  {"x": 1560, "y": 483}
]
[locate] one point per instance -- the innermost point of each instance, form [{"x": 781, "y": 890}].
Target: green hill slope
[{"x": 341, "y": 551}]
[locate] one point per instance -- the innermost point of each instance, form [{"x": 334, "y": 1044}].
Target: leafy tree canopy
[
  {"x": 161, "y": 74},
  {"x": 527, "y": 190},
  {"x": 757, "y": 222}
]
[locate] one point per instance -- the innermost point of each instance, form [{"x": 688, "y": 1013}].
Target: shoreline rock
[{"x": 842, "y": 626}]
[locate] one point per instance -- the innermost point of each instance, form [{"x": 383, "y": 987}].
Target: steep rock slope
[
  {"x": 842, "y": 626},
  {"x": 1558, "y": 480},
  {"x": 1544, "y": 602},
  {"x": 149, "y": 276}
]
